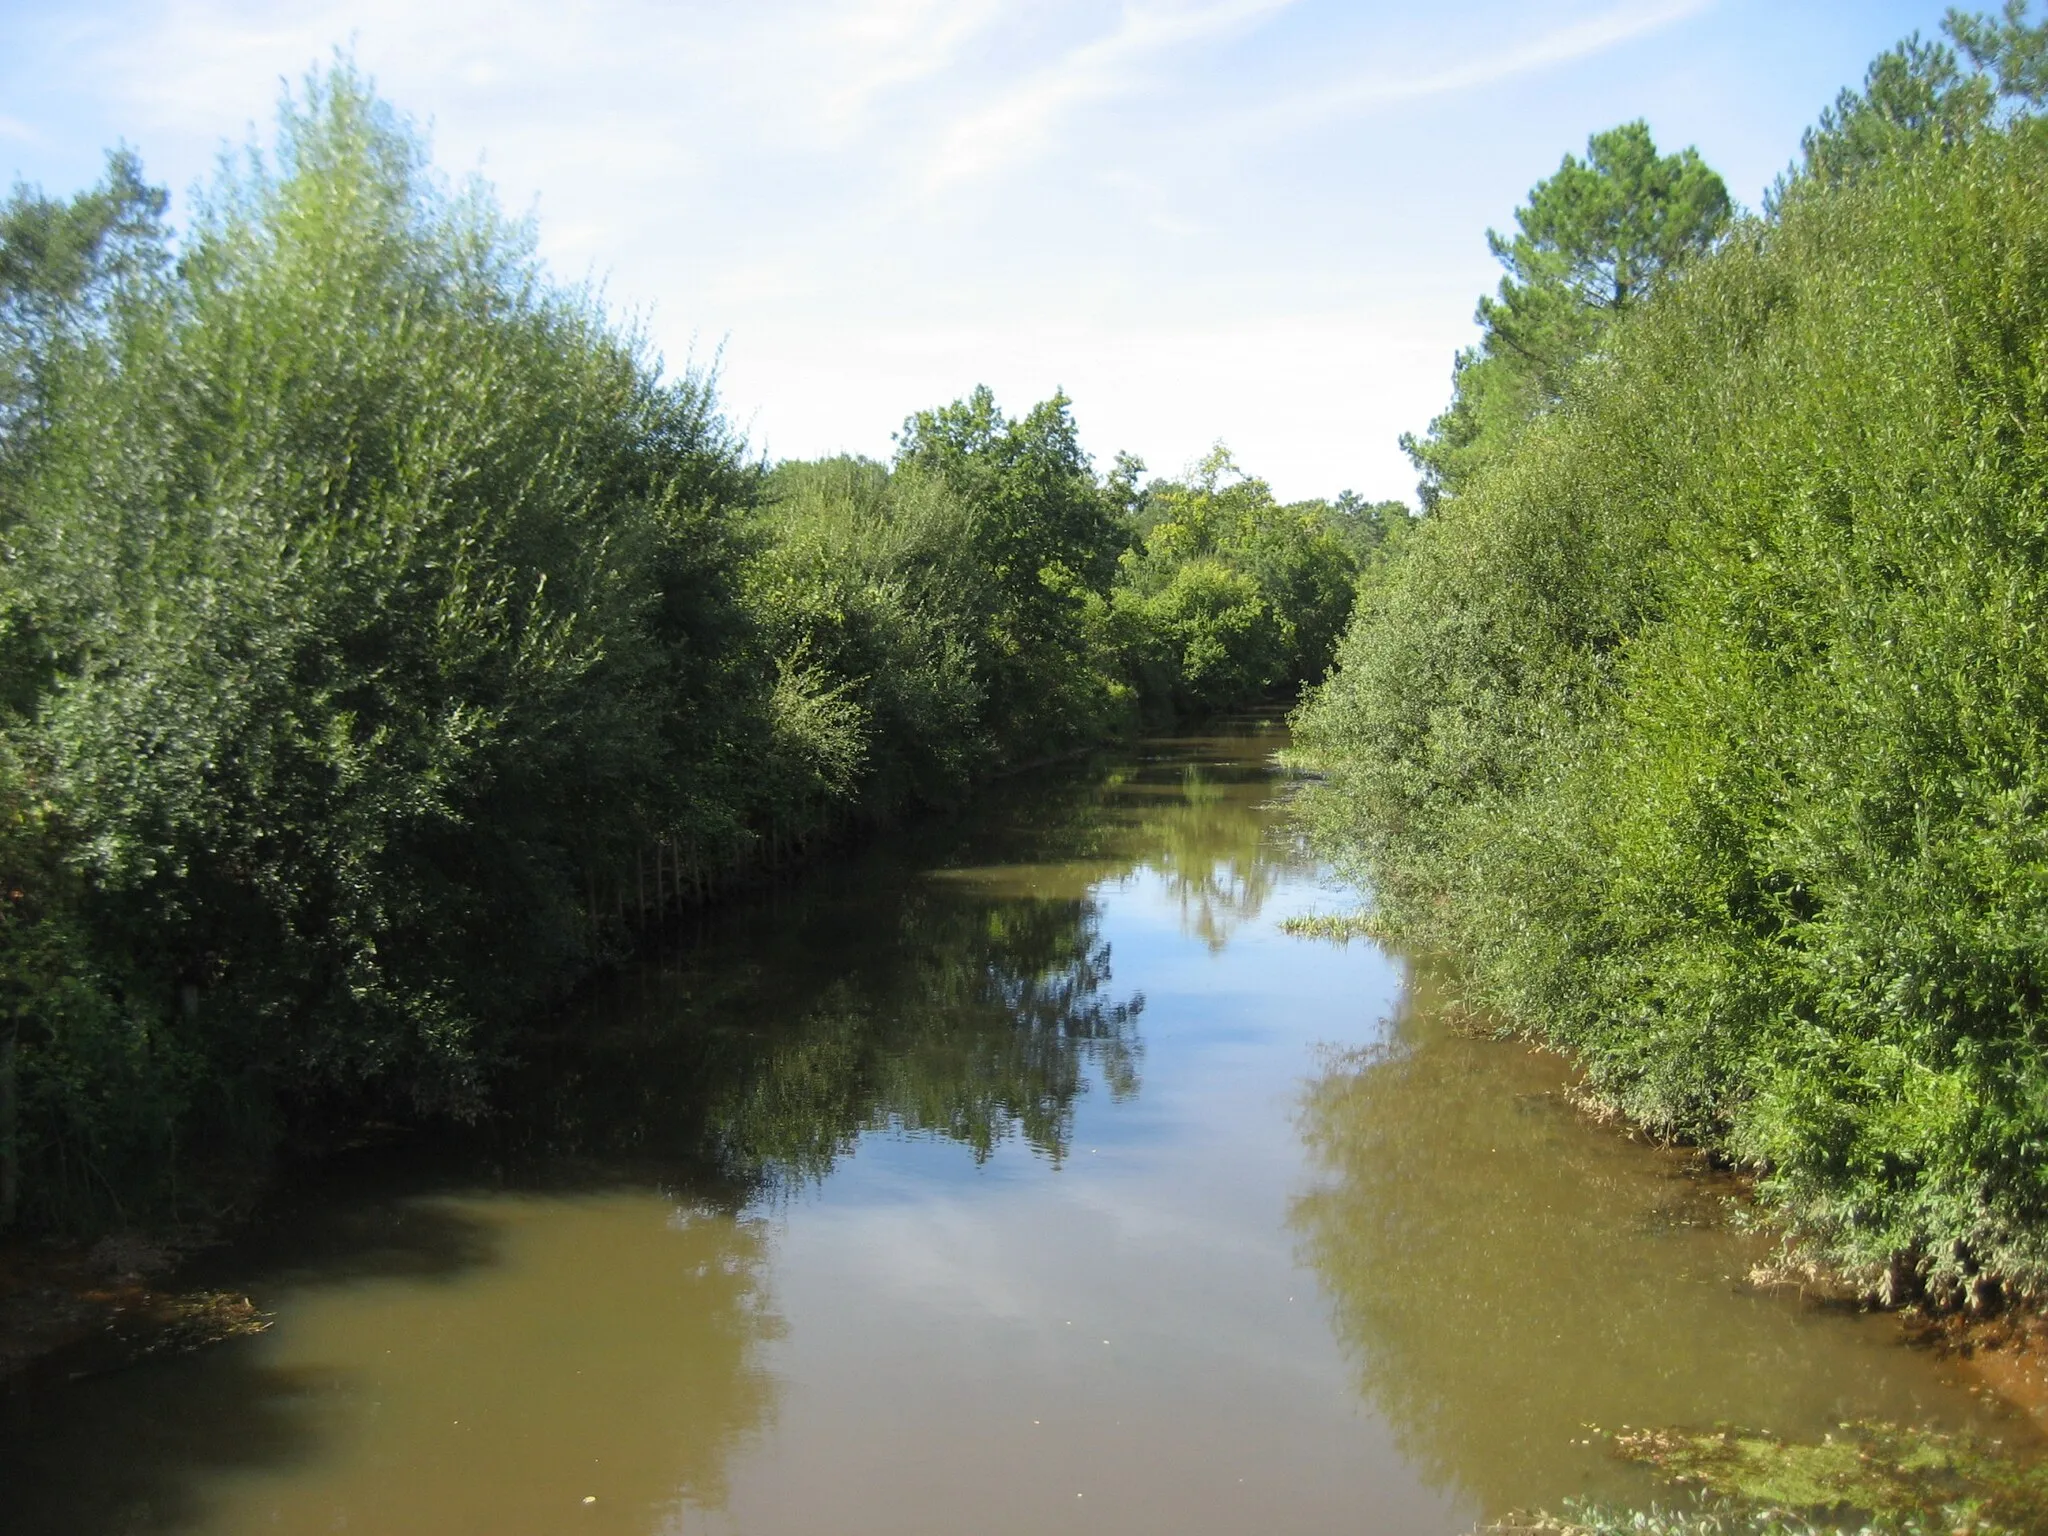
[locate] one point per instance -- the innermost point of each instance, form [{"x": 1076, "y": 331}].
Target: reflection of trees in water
[
  {"x": 986, "y": 1033},
  {"x": 873, "y": 996},
  {"x": 765, "y": 1055},
  {"x": 1214, "y": 848},
  {"x": 1503, "y": 1275}
]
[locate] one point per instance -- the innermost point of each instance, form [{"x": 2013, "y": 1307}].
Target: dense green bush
[
  {"x": 1046, "y": 537},
  {"x": 1227, "y": 598},
  {"x": 1710, "y": 723},
  {"x": 868, "y": 579},
  {"x": 367, "y": 602}
]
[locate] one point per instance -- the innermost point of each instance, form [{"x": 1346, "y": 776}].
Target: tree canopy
[{"x": 1591, "y": 242}]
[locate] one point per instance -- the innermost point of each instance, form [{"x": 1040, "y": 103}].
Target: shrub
[{"x": 1708, "y": 725}]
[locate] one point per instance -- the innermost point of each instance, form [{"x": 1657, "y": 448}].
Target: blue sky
[{"x": 1260, "y": 221}]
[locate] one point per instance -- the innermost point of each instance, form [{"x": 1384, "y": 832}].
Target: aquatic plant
[
  {"x": 1875, "y": 1470},
  {"x": 1867, "y": 1479},
  {"x": 1710, "y": 1516}
]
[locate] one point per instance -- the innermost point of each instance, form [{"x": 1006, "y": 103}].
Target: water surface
[{"x": 1018, "y": 1176}]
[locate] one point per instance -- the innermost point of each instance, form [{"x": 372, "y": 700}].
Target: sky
[{"x": 1260, "y": 222}]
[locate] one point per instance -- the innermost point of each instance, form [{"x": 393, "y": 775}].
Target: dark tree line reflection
[
  {"x": 952, "y": 983},
  {"x": 1219, "y": 863},
  {"x": 987, "y": 1031},
  {"x": 946, "y": 1015},
  {"x": 866, "y": 999}
]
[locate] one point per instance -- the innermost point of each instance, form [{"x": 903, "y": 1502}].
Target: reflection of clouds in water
[{"x": 938, "y": 1252}]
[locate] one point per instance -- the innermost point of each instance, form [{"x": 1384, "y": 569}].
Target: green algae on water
[{"x": 1894, "y": 1475}]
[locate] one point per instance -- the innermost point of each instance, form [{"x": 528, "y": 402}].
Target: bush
[
  {"x": 1708, "y": 724},
  {"x": 367, "y": 601},
  {"x": 1227, "y": 598}
]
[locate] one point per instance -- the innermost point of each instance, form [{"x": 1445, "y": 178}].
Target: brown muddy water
[{"x": 1020, "y": 1176}]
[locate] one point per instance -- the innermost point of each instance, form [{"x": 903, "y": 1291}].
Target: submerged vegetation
[
  {"x": 1705, "y": 719},
  {"x": 385, "y": 639},
  {"x": 1878, "y": 1471},
  {"x": 1863, "y": 1480}
]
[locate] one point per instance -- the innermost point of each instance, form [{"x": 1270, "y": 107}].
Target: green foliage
[
  {"x": 61, "y": 266},
  {"x": 366, "y": 599},
  {"x": 1371, "y": 530},
  {"x": 1227, "y": 597},
  {"x": 1918, "y": 95},
  {"x": 1707, "y": 725},
  {"x": 1913, "y": 96},
  {"x": 872, "y": 579},
  {"x": 1597, "y": 237},
  {"x": 1592, "y": 242},
  {"x": 1045, "y": 540},
  {"x": 2014, "y": 54},
  {"x": 1718, "y": 1515}
]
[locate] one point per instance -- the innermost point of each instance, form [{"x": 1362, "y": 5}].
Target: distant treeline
[
  {"x": 384, "y": 640},
  {"x": 1705, "y": 716}
]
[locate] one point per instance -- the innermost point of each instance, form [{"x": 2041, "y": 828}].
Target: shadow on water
[
  {"x": 87, "y": 1445},
  {"x": 473, "y": 1327},
  {"x": 455, "y": 1351},
  {"x": 1514, "y": 1285}
]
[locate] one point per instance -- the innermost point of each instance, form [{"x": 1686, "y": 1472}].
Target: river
[{"x": 1017, "y": 1175}]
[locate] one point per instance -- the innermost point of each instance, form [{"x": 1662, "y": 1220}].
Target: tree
[
  {"x": 1915, "y": 93},
  {"x": 60, "y": 263},
  {"x": 2015, "y": 54},
  {"x": 1033, "y": 483},
  {"x": 1228, "y": 597},
  {"x": 1046, "y": 534},
  {"x": 1591, "y": 242},
  {"x": 1919, "y": 95}
]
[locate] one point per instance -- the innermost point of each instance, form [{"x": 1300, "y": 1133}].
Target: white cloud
[
  {"x": 1565, "y": 45},
  {"x": 1018, "y": 125},
  {"x": 886, "y": 45}
]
